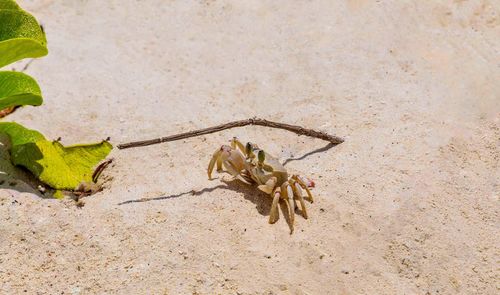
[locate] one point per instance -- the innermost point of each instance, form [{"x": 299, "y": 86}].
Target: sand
[{"x": 408, "y": 204}]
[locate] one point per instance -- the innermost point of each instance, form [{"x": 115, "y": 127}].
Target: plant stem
[{"x": 254, "y": 121}]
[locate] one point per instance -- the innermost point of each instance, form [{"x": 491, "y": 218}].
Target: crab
[{"x": 252, "y": 165}]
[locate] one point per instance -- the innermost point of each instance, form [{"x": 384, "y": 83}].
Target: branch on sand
[{"x": 253, "y": 121}]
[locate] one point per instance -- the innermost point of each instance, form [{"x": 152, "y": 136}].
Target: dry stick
[
  {"x": 255, "y": 121},
  {"x": 27, "y": 65},
  {"x": 98, "y": 170}
]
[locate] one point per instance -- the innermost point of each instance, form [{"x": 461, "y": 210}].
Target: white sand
[{"x": 407, "y": 205}]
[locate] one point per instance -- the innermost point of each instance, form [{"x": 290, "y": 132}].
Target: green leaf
[
  {"x": 60, "y": 167},
  {"x": 17, "y": 89},
  {"x": 20, "y": 34},
  {"x": 9, "y": 4},
  {"x": 20, "y": 135}
]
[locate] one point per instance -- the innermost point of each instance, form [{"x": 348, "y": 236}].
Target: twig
[
  {"x": 98, "y": 170},
  {"x": 254, "y": 121},
  {"x": 27, "y": 65}
]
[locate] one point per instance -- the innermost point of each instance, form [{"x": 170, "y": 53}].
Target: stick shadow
[{"x": 316, "y": 151}]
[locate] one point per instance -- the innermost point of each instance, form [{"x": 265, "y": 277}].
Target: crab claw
[{"x": 215, "y": 159}]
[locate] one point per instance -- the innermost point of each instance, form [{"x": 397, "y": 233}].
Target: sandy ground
[{"x": 407, "y": 205}]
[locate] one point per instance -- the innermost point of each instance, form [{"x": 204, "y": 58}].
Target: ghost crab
[{"x": 252, "y": 165}]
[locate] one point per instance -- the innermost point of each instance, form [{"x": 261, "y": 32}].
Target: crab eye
[
  {"x": 261, "y": 156},
  {"x": 248, "y": 148}
]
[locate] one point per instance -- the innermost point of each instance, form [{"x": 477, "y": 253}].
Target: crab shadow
[
  {"x": 174, "y": 196},
  {"x": 251, "y": 193},
  {"x": 261, "y": 200}
]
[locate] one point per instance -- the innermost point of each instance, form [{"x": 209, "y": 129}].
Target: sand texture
[{"x": 408, "y": 204}]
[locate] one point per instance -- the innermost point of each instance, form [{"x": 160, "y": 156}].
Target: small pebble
[{"x": 42, "y": 189}]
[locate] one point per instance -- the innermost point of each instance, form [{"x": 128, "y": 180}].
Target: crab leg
[
  {"x": 269, "y": 185},
  {"x": 234, "y": 172},
  {"x": 274, "y": 212},
  {"x": 297, "y": 191},
  {"x": 230, "y": 168},
  {"x": 287, "y": 192},
  {"x": 304, "y": 186},
  {"x": 236, "y": 143}
]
